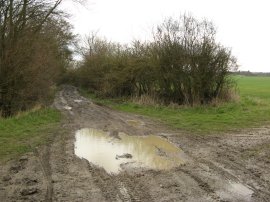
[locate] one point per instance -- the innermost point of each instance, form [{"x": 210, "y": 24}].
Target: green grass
[
  {"x": 252, "y": 110},
  {"x": 22, "y": 133}
]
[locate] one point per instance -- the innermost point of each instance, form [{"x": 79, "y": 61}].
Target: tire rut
[
  {"x": 123, "y": 187},
  {"x": 135, "y": 191},
  {"x": 44, "y": 160},
  {"x": 202, "y": 184},
  {"x": 264, "y": 194}
]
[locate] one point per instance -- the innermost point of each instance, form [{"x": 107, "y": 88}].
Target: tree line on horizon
[
  {"x": 249, "y": 73},
  {"x": 183, "y": 63}
]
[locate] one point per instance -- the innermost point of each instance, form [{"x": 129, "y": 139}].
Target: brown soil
[{"x": 227, "y": 167}]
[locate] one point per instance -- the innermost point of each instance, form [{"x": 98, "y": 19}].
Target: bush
[{"x": 182, "y": 64}]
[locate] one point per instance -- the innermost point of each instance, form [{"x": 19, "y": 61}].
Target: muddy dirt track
[{"x": 227, "y": 167}]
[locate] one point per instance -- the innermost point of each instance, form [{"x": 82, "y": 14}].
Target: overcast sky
[{"x": 243, "y": 25}]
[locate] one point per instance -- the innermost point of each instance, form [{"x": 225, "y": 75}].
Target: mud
[{"x": 223, "y": 167}]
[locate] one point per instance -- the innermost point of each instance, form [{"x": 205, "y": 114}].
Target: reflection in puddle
[{"x": 101, "y": 149}]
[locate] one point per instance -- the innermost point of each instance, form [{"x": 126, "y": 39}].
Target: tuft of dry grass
[
  {"x": 147, "y": 100},
  {"x": 227, "y": 95},
  {"x": 37, "y": 107}
]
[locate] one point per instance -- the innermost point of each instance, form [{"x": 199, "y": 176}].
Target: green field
[
  {"x": 253, "y": 109},
  {"x": 254, "y": 86},
  {"x": 22, "y": 133}
]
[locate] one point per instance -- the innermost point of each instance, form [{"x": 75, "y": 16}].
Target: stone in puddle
[{"x": 126, "y": 155}]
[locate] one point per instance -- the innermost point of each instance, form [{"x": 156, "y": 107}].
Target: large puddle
[{"x": 113, "y": 151}]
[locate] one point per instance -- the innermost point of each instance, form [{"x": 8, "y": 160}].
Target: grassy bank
[
  {"x": 22, "y": 133},
  {"x": 253, "y": 109}
]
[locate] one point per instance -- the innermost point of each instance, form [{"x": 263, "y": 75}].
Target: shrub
[{"x": 182, "y": 64}]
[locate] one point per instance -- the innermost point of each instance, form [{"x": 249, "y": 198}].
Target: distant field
[
  {"x": 21, "y": 134},
  {"x": 254, "y": 86},
  {"x": 252, "y": 110}
]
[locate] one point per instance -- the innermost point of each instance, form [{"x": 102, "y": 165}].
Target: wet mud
[{"x": 223, "y": 167}]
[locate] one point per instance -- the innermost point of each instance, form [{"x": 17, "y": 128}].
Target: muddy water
[{"x": 105, "y": 151}]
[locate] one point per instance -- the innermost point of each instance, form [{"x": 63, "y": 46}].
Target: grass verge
[
  {"x": 252, "y": 110},
  {"x": 22, "y": 133}
]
